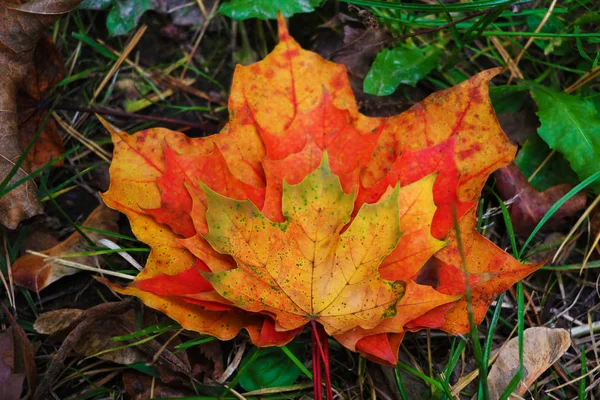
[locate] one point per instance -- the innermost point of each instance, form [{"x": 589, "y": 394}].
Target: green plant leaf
[
  {"x": 571, "y": 126},
  {"x": 266, "y": 9},
  {"x": 508, "y": 98},
  {"x": 125, "y": 15},
  {"x": 556, "y": 171},
  {"x": 393, "y": 67},
  {"x": 95, "y": 4},
  {"x": 272, "y": 368}
]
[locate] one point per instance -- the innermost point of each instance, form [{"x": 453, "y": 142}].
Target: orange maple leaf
[{"x": 304, "y": 210}]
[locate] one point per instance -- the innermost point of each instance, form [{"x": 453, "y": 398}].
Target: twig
[
  {"x": 588, "y": 76},
  {"x": 234, "y": 364},
  {"x": 129, "y": 48},
  {"x": 207, "y": 21},
  {"x": 531, "y": 39},
  {"x": 208, "y": 128},
  {"x": 79, "y": 266}
]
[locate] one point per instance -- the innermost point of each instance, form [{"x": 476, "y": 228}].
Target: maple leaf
[
  {"x": 305, "y": 268},
  {"x": 304, "y": 210}
]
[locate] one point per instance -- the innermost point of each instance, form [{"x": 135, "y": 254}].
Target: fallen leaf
[
  {"x": 36, "y": 273},
  {"x": 46, "y": 70},
  {"x": 292, "y": 269},
  {"x": 530, "y": 206},
  {"x": 141, "y": 387},
  {"x": 302, "y": 209},
  {"x": 23, "y": 361},
  {"x": 95, "y": 333},
  {"x": 207, "y": 361},
  {"x": 356, "y": 49},
  {"x": 81, "y": 326},
  {"x": 98, "y": 342},
  {"x": 22, "y": 26},
  {"x": 542, "y": 347},
  {"x": 40, "y": 235},
  {"x": 11, "y": 381},
  {"x": 51, "y": 322}
]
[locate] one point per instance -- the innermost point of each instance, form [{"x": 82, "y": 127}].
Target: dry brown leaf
[
  {"x": 21, "y": 27},
  {"x": 83, "y": 324},
  {"x": 56, "y": 320},
  {"x": 46, "y": 70},
  {"x": 35, "y": 273},
  {"x": 140, "y": 387},
  {"x": 22, "y": 352},
  {"x": 11, "y": 381},
  {"x": 542, "y": 347},
  {"x": 530, "y": 206},
  {"x": 98, "y": 343}
]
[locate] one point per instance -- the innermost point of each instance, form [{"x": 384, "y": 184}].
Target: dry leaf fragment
[
  {"x": 53, "y": 321},
  {"x": 302, "y": 209},
  {"x": 82, "y": 324},
  {"x": 35, "y": 273},
  {"x": 530, "y": 206},
  {"x": 98, "y": 336},
  {"x": 23, "y": 352},
  {"x": 542, "y": 347},
  {"x": 140, "y": 386},
  {"x": 46, "y": 70},
  {"x": 98, "y": 343},
  {"x": 11, "y": 380},
  {"x": 21, "y": 27}
]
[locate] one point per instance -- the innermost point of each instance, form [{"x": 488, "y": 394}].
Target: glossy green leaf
[
  {"x": 508, "y": 98},
  {"x": 125, "y": 15},
  {"x": 571, "y": 126},
  {"x": 556, "y": 171},
  {"x": 266, "y": 9},
  {"x": 393, "y": 67},
  {"x": 272, "y": 368}
]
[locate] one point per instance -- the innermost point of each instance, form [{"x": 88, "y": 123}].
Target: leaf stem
[
  {"x": 316, "y": 363},
  {"x": 321, "y": 353}
]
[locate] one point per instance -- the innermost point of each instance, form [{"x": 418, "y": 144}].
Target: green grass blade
[
  {"x": 432, "y": 8},
  {"x": 298, "y": 363},
  {"x": 17, "y": 165},
  {"x": 455, "y": 353},
  {"x": 582, "y": 382},
  {"x": 420, "y": 375},
  {"x": 588, "y": 181},
  {"x": 195, "y": 342},
  {"x": 107, "y": 233},
  {"x": 516, "y": 380},
  {"x": 487, "y": 349},
  {"x": 474, "y": 332},
  {"x": 6, "y": 189},
  {"x": 509, "y": 227},
  {"x": 400, "y": 384},
  {"x": 106, "y": 251},
  {"x": 153, "y": 329}
]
